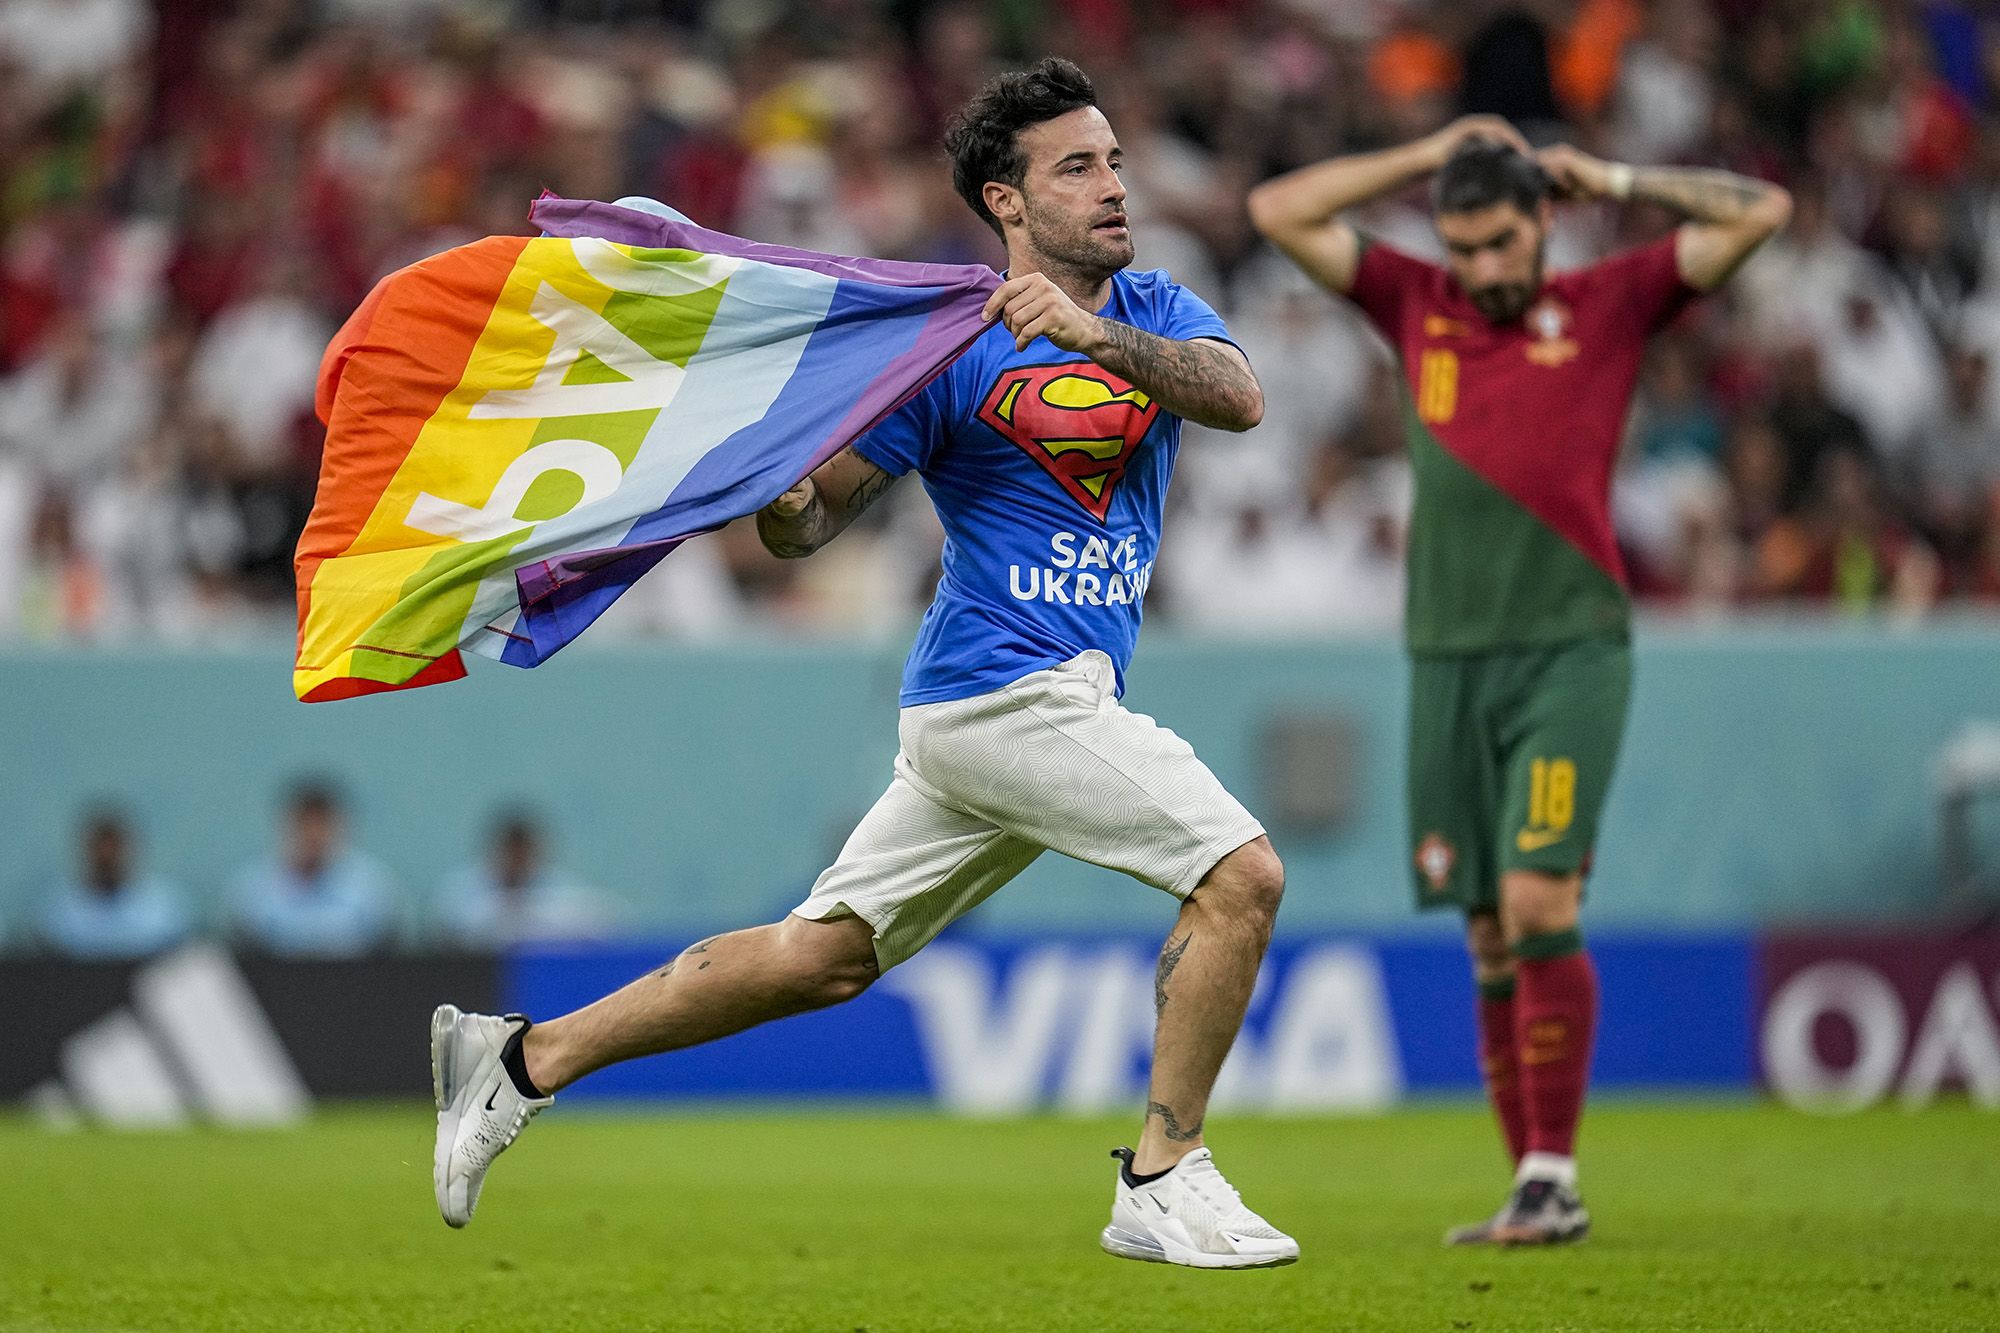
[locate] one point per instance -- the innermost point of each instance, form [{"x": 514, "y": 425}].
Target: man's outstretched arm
[
  {"x": 1728, "y": 215},
  {"x": 1300, "y": 213},
  {"x": 814, "y": 512}
]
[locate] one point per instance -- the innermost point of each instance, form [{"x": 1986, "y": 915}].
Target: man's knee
[
  {"x": 838, "y": 983},
  {"x": 834, "y": 961},
  {"x": 1534, "y": 903},
  {"x": 1487, "y": 943},
  {"x": 1250, "y": 881}
]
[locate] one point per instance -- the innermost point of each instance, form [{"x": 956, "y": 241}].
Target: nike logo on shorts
[{"x": 1529, "y": 841}]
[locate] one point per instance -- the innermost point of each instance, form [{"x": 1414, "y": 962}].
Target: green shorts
[{"x": 1511, "y": 754}]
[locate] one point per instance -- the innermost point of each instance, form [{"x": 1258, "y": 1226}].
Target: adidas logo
[{"x": 193, "y": 1044}]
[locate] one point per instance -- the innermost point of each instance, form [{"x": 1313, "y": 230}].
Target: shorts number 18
[{"x": 1551, "y": 793}]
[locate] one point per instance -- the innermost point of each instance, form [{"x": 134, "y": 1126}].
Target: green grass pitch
[{"x": 1708, "y": 1217}]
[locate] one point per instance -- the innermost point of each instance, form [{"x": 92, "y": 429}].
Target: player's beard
[
  {"x": 1505, "y": 302},
  {"x": 1064, "y": 241}
]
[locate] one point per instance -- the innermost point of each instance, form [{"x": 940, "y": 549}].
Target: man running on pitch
[
  {"x": 1046, "y": 449},
  {"x": 1518, "y": 610}
]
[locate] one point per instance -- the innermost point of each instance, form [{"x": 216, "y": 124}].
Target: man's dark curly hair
[
  {"x": 982, "y": 139},
  {"x": 1483, "y": 172}
]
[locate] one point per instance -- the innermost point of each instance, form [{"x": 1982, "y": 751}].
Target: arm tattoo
[
  {"x": 868, "y": 492},
  {"x": 1705, "y": 196},
  {"x": 816, "y": 524},
  {"x": 1170, "y": 958},
  {"x": 1196, "y": 380},
  {"x": 799, "y": 535},
  {"x": 1172, "y": 1121}
]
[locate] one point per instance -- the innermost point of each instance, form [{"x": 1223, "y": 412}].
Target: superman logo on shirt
[{"x": 1080, "y": 422}]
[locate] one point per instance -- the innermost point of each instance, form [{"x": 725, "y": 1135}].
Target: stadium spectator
[
  {"x": 1807, "y": 421},
  {"x": 512, "y": 895},
  {"x": 1667, "y": 85},
  {"x": 256, "y": 364},
  {"x": 1794, "y": 286},
  {"x": 1678, "y": 421},
  {"x": 1845, "y": 548},
  {"x": 1951, "y": 470},
  {"x": 112, "y": 909},
  {"x": 78, "y": 408},
  {"x": 315, "y": 897},
  {"x": 1759, "y": 490}
]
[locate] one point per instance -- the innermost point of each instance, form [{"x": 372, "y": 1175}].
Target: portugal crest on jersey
[
  {"x": 1077, "y": 420},
  {"x": 1552, "y": 325}
]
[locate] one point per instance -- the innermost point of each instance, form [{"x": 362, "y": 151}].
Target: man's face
[
  {"x": 107, "y": 858},
  {"x": 1496, "y": 256},
  {"x": 315, "y": 834},
  {"x": 1071, "y": 200},
  {"x": 517, "y": 856}
]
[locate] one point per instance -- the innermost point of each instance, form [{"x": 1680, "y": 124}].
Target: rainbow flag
[{"x": 517, "y": 429}]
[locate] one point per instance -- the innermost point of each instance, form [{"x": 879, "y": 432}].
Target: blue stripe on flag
[{"x": 866, "y": 328}]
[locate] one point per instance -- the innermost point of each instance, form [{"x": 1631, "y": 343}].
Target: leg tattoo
[
  {"x": 1170, "y": 958},
  {"x": 1173, "y": 1124},
  {"x": 699, "y": 946}
]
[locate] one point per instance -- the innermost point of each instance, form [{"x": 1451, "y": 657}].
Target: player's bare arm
[
  {"x": 1728, "y": 215},
  {"x": 1300, "y": 213},
  {"x": 815, "y": 511},
  {"x": 1204, "y": 380}
]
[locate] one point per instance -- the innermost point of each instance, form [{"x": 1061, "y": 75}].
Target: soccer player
[
  {"x": 1046, "y": 450},
  {"x": 1518, "y": 611}
]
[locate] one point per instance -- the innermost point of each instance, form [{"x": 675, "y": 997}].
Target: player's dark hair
[
  {"x": 1483, "y": 172},
  {"x": 102, "y": 817},
  {"x": 516, "y": 823},
  {"x": 315, "y": 795},
  {"x": 982, "y": 139}
]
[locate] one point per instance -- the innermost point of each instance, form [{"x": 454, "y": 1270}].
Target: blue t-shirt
[{"x": 1050, "y": 476}]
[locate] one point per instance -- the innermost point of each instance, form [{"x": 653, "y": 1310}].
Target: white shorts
[{"x": 984, "y": 784}]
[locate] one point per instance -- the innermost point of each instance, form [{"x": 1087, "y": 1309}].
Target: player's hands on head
[
  {"x": 1032, "y": 306},
  {"x": 1574, "y": 173},
  {"x": 1497, "y": 128}
]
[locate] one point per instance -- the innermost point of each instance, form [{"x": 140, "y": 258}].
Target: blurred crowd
[
  {"x": 193, "y": 194},
  {"x": 316, "y": 894}
]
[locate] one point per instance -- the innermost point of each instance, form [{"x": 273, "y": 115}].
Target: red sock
[
  {"x": 1499, "y": 1066},
  {"x": 1555, "y": 1017}
]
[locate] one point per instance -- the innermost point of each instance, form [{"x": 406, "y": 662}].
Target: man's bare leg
[
  {"x": 721, "y": 985},
  {"x": 1200, "y": 991}
]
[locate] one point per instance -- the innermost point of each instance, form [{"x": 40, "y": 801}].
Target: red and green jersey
[{"x": 1514, "y": 430}]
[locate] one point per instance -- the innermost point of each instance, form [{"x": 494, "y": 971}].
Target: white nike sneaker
[
  {"x": 1191, "y": 1216},
  {"x": 479, "y": 1110}
]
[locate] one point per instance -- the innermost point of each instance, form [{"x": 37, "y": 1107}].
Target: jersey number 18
[{"x": 1437, "y": 385}]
